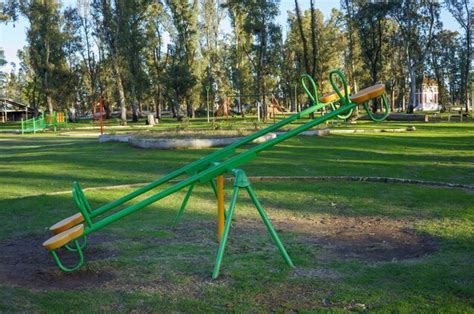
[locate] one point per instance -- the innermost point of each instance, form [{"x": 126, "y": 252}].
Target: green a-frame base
[{"x": 241, "y": 181}]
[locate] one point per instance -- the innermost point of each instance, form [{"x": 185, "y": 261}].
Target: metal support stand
[
  {"x": 183, "y": 206},
  {"x": 241, "y": 181}
]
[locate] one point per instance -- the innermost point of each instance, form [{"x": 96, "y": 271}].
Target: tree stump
[{"x": 150, "y": 120}]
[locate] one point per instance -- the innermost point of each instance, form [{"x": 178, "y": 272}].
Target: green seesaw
[{"x": 209, "y": 170}]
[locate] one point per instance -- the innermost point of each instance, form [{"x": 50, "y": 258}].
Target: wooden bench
[{"x": 458, "y": 113}]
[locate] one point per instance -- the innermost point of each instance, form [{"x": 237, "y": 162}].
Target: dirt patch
[
  {"x": 25, "y": 263},
  {"x": 363, "y": 238},
  {"x": 372, "y": 239}
]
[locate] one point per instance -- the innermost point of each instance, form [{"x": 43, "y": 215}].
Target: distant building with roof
[
  {"x": 11, "y": 110},
  {"x": 427, "y": 96}
]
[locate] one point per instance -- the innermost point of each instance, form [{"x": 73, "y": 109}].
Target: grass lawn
[{"x": 357, "y": 246}]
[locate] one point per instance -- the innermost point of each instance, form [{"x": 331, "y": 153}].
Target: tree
[
  {"x": 181, "y": 76},
  {"x": 109, "y": 32},
  {"x": 45, "y": 46},
  {"x": 417, "y": 21},
  {"x": 156, "y": 61},
  {"x": 90, "y": 68},
  {"x": 211, "y": 44},
  {"x": 352, "y": 52},
  {"x": 329, "y": 45},
  {"x": 260, "y": 22},
  {"x": 3, "y": 75},
  {"x": 242, "y": 41},
  {"x": 463, "y": 12},
  {"x": 371, "y": 23},
  {"x": 303, "y": 37},
  {"x": 131, "y": 42},
  {"x": 444, "y": 61}
]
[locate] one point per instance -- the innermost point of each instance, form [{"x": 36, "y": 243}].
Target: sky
[{"x": 13, "y": 36}]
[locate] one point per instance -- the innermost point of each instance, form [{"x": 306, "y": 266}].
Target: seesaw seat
[
  {"x": 368, "y": 93},
  {"x": 63, "y": 238},
  {"x": 330, "y": 97},
  {"x": 66, "y": 223}
]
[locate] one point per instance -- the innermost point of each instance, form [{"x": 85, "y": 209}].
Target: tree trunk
[
  {"x": 189, "y": 109},
  {"x": 412, "y": 103},
  {"x": 50, "y": 104},
  {"x": 468, "y": 59},
  {"x": 157, "y": 102},
  {"x": 123, "y": 107},
  {"x": 107, "y": 109}
]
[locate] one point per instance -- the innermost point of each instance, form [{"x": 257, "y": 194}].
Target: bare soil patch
[
  {"x": 25, "y": 263},
  {"x": 372, "y": 239}
]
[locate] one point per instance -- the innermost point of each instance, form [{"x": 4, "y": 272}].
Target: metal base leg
[
  {"x": 183, "y": 206},
  {"x": 241, "y": 181},
  {"x": 228, "y": 223},
  {"x": 269, "y": 226}
]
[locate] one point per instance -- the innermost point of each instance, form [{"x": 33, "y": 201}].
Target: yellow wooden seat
[
  {"x": 368, "y": 93},
  {"x": 330, "y": 97},
  {"x": 63, "y": 238},
  {"x": 67, "y": 223}
]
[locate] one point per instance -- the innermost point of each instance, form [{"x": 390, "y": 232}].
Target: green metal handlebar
[
  {"x": 66, "y": 269},
  {"x": 312, "y": 96},
  {"x": 338, "y": 73},
  {"x": 343, "y": 100},
  {"x": 76, "y": 195},
  {"x": 371, "y": 114}
]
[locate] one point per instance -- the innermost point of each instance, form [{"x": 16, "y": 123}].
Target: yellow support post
[{"x": 220, "y": 207}]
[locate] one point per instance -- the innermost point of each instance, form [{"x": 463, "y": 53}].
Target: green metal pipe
[
  {"x": 214, "y": 187},
  {"x": 69, "y": 269},
  {"x": 183, "y": 206},
  {"x": 215, "y": 170},
  {"x": 269, "y": 226},
  {"x": 215, "y": 156},
  {"x": 237, "y": 160},
  {"x": 228, "y": 223},
  {"x": 131, "y": 209}
]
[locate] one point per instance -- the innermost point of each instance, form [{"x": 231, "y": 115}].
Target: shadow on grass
[{"x": 142, "y": 254}]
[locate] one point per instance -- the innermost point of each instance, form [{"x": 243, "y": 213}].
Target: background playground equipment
[
  {"x": 206, "y": 170},
  {"x": 43, "y": 122},
  {"x": 273, "y": 108},
  {"x": 223, "y": 109}
]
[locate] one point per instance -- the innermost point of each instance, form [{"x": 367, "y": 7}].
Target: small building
[
  {"x": 427, "y": 97},
  {"x": 11, "y": 110}
]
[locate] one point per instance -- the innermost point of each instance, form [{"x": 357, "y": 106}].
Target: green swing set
[{"x": 209, "y": 170}]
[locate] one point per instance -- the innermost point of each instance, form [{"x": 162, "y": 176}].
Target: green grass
[{"x": 150, "y": 267}]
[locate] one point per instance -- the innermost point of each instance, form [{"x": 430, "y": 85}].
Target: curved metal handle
[
  {"x": 81, "y": 195},
  {"x": 313, "y": 96},
  {"x": 82, "y": 246},
  {"x": 371, "y": 114},
  {"x": 343, "y": 100},
  {"x": 75, "y": 267},
  {"x": 342, "y": 116},
  {"x": 337, "y": 72},
  {"x": 80, "y": 203}
]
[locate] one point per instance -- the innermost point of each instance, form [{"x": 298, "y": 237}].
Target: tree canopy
[{"x": 158, "y": 55}]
